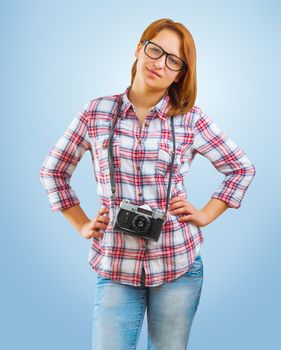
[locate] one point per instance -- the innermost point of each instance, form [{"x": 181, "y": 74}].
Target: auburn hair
[{"x": 183, "y": 93}]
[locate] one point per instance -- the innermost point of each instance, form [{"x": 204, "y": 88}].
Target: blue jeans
[{"x": 119, "y": 311}]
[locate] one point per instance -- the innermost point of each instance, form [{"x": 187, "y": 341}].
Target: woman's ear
[{"x": 137, "y": 52}]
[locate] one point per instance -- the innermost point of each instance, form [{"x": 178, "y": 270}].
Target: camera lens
[{"x": 140, "y": 222}]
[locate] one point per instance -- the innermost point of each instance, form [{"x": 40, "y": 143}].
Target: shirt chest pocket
[
  {"x": 164, "y": 161},
  {"x": 102, "y": 150}
]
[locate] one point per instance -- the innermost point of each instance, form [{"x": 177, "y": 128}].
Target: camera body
[{"x": 137, "y": 221}]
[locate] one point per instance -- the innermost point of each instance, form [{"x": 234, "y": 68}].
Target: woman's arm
[
  {"x": 214, "y": 208},
  {"x": 76, "y": 217},
  {"x": 61, "y": 161},
  {"x": 227, "y": 157}
]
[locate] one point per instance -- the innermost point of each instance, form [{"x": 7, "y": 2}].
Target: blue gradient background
[{"x": 56, "y": 55}]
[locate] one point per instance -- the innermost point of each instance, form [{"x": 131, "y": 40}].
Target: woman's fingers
[
  {"x": 103, "y": 211},
  {"x": 99, "y": 219},
  {"x": 101, "y": 223},
  {"x": 97, "y": 234},
  {"x": 181, "y": 210},
  {"x": 96, "y": 229},
  {"x": 102, "y": 218},
  {"x": 181, "y": 206},
  {"x": 185, "y": 218},
  {"x": 177, "y": 199}
]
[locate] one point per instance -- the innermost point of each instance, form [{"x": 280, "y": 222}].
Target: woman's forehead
[{"x": 169, "y": 40}]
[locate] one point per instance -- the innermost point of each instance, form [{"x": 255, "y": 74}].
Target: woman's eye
[{"x": 155, "y": 50}]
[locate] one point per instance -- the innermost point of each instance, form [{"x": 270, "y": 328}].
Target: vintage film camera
[{"x": 137, "y": 221}]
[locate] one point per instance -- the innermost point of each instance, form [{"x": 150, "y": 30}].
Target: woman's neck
[{"x": 143, "y": 98}]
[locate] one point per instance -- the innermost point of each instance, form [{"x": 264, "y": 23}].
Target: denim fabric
[{"x": 119, "y": 311}]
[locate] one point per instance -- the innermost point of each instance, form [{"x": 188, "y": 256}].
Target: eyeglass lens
[{"x": 155, "y": 52}]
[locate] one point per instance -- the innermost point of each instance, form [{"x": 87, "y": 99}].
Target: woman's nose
[{"x": 160, "y": 62}]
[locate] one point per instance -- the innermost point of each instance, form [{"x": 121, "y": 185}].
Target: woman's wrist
[
  {"x": 80, "y": 227},
  {"x": 214, "y": 208},
  {"x": 76, "y": 217}
]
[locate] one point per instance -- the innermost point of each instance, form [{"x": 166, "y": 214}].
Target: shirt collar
[{"x": 160, "y": 107}]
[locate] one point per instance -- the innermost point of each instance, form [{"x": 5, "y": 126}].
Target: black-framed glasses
[{"x": 155, "y": 51}]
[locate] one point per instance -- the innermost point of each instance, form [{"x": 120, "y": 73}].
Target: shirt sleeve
[
  {"x": 61, "y": 161},
  {"x": 227, "y": 157}
]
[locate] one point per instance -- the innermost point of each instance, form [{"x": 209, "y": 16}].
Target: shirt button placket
[{"x": 138, "y": 188}]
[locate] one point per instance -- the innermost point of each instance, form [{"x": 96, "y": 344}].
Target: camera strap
[{"x": 110, "y": 159}]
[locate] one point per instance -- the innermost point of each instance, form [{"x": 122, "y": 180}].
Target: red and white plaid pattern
[{"x": 142, "y": 156}]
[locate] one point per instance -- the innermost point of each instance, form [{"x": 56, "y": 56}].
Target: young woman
[{"x": 135, "y": 274}]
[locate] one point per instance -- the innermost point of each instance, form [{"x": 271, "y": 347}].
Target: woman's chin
[{"x": 150, "y": 83}]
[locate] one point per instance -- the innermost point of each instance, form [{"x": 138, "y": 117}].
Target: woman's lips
[{"x": 153, "y": 73}]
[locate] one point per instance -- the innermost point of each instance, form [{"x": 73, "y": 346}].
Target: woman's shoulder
[
  {"x": 193, "y": 116},
  {"x": 102, "y": 104},
  {"x": 196, "y": 109}
]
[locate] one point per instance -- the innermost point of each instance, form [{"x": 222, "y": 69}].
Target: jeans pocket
[{"x": 196, "y": 269}]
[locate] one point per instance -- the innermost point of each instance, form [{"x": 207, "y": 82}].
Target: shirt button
[
  {"x": 138, "y": 167},
  {"x": 146, "y": 124},
  {"x": 139, "y": 142},
  {"x": 139, "y": 194}
]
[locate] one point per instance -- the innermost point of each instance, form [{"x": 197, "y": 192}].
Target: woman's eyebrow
[{"x": 166, "y": 50}]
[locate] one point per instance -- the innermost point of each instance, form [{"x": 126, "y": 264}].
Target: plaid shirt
[{"x": 142, "y": 155}]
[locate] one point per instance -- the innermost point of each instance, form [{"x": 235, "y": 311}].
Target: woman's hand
[
  {"x": 179, "y": 205},
  {"x": 91, "y": 228}
]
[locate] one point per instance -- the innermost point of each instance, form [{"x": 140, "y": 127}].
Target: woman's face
[{"x": 169, "y": 41}]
